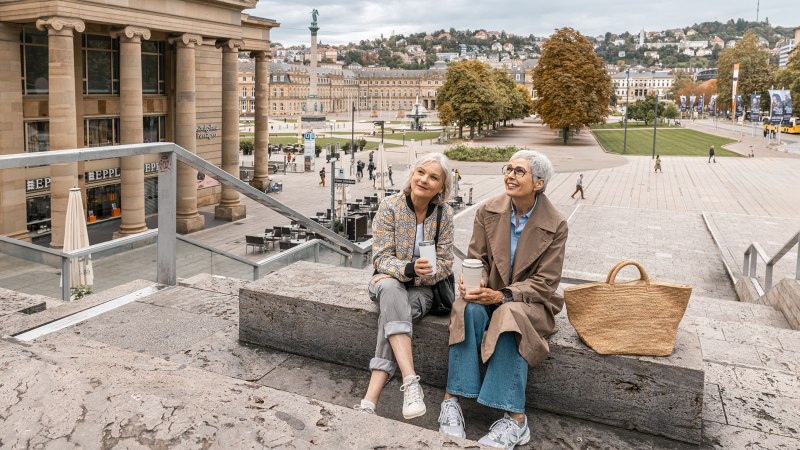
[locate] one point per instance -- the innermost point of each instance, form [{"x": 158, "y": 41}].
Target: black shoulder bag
[{"x": 444, "y": 291}]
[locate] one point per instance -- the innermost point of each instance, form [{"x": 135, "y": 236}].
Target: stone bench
[{"x": 323, "y": 312}]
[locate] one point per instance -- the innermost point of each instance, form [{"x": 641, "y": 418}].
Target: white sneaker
[
  {"x": 451, "y": 419},
  {"x": 366, "y": 406},
  {"x": 413, "y": 404},
  {"x": 507, "y": 433}
]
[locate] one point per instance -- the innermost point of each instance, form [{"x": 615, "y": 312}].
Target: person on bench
[
  {"x": 520, "y": 237},
  {"x": 401, "y": 284}
]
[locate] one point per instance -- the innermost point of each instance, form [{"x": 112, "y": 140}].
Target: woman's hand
[
  {"x": 481, "y": 296},
  {"x": 423, "y": 268}
]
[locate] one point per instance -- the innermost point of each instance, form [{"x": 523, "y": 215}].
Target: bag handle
[{"x": 612, "y": 276}]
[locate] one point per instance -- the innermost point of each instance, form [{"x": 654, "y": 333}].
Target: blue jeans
[{"x": 503, "y": 386}]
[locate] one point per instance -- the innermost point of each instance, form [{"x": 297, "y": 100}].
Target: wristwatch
[{"x": 507, "y": 297}]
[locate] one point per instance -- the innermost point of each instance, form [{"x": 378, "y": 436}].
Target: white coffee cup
[
  {"x": 427, "y": 250},
  {"x": 472, "y": 272}
]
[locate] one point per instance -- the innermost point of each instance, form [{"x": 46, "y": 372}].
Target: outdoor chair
[
  {"x": 284, "y": 245},
  {"x": 257, "y": 242}
]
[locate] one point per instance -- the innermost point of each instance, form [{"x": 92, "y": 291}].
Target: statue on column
[{"x": 314, "y": 14}]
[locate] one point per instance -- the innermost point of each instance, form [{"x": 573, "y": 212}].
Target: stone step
[
  {"x": 13, "y": 302},
  {"x": 736, "y": 311},
  {"x": 746, "y": 344},
  {"x": 109, "y": 397},
  {"x": 323, "y": 312}
]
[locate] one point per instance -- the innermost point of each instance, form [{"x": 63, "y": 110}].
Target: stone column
[
  {"x": 13, "y": 215},
  {"x": 261, "y": 142},
  {"x": 131, "y": 127},
  {"x": 188, "y": 219},
  {"x": 230, "y": 208},
  {"x": 62, "y": 112}
]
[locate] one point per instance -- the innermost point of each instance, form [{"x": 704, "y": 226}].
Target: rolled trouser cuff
[
  {"x": 397, "y": 327},
  {"x": 384, "y": 365}
]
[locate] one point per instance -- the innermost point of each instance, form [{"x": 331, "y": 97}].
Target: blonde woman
[{"x": 401, "y": 285}]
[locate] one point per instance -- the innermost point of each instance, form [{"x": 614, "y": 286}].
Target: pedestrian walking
[
  {"x": 371, "y": 169},
  {"x": 322, "y": 177},
  {"x": 359, "y": 170},
  {"x": 711, "y": 155},
  {"x": 390, "y": 175},
  {"x": 751, "y": 154},
  {"x": 658, "y": 164},
  {"x": 371, "y": 155},
  {"x": 578, "y": 187}
]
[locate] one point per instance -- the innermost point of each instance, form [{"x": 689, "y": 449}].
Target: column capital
[
  {"x": 186, "y": 40},
  {"x": 55, "y": 23},
  {"x": 132, "y": 33},
  {"x": 261, "y": 55},
  {"x": 230, "y": 45}
]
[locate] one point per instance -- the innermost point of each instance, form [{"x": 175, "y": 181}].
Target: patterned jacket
[{"x": 394, "y": 230}]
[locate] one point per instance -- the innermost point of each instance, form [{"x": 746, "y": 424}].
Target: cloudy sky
[{"x": 343, "y": 21}]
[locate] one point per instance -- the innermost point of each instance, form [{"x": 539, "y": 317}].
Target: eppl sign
[{"x": 38, "y": 184}]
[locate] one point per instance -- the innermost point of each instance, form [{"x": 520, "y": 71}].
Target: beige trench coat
[{"x": 537, "y": 271}]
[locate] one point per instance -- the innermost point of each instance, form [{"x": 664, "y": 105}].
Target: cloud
[{"x": 343, "y": 21}]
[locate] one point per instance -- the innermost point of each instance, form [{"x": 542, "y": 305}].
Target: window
[
  {"x": 100, "y": 64},
  {"x": 155, "y": 128},
  {"x": 102, "y": 131},
  {"x": 252, "y": 106},
  {"x": 103, "y": 201},
  {"x": 244, "y": 92},
  {"x": 33, "y": 55},
  {"x": 38, "y": 209},
  {"x": 274, "y": 106},
  {"x": 281, "y": 92},
  {"x": 253, "y": 92},
  {"x": 153, "y": 68},
  {"x": 37, "y": 136},
  {"x": 244, "y": 106},
  {"x": 281, "y": 106},
  {"x": 274, "y": 92}
]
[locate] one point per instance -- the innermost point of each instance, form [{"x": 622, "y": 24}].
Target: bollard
[{"x": 469, "y": 203}]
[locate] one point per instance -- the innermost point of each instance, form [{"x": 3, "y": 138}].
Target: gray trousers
[{"x": 399, "y": 308}]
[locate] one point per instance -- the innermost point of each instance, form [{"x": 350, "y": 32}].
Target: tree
[
  {"x": 671, "y": 112},
  {"x": 469, "y": 96},
  {"x": 755, "y": 73},
  {"x": 789, "y": 77},
  {"x": 571, "y": 82}
]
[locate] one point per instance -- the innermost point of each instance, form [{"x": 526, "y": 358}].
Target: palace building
[{"x": 84, "y": 73}]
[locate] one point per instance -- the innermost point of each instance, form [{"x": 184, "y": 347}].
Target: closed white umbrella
[{"x": 76, "y": 237}]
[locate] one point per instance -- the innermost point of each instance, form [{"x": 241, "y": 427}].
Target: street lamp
[
  {"x": 655, "y": 121},
  {"x": 625, "y": 119}
]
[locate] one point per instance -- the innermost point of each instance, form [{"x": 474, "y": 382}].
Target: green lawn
[
  {"x": 418, "y": 135},
  {"x": 672, "y": 142},
  {"x": 631, "y": 124}
]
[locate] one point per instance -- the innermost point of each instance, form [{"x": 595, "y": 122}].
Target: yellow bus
[{"x": 791, "y": 127}]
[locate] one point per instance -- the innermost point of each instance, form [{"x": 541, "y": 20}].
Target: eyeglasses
[{"x": 518, "y": 171}]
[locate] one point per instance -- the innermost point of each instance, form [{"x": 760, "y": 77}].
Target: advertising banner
[
  {"x": 787, "y": 104},
  {"x": 739, "y": 106},
  {"x": 775, "y": 106},
  {"x": 755, "y": 107},
  {"x": 683, "y": 103},
  {"x": 692, "y": 100},
  {"x": 734, "y": 98},
  {"x": 702, "y": 103},
  {"x": 712, "y": 105},
  {"x": 309, "y": 144}
]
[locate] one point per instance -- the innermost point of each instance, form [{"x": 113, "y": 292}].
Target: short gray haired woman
[
  {"x": 520, "y": 238},
  {"x": 402, "y": 281}
]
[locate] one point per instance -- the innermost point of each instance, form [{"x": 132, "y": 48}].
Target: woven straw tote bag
[{"x": 639, "y": 317}]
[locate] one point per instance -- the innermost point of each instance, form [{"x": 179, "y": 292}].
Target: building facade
[
  {"x": 96, "y": 73},
  {"x": 632, "y": 86}
]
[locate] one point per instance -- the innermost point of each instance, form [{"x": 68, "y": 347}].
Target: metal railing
[
  {"x": 166, "y": 260},
  {"x": 755, "y": 251}
]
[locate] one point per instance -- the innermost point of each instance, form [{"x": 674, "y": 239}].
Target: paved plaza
[{"x": 176, "y": 353}]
